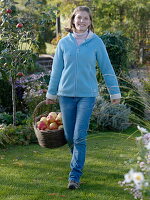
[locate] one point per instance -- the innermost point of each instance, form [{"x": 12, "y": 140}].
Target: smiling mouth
[{"x": 81, "y": 25}]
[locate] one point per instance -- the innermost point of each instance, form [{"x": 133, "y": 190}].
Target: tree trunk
[
  {"x": 58, "y": 23},
  {"x": 14, "y": 101}
]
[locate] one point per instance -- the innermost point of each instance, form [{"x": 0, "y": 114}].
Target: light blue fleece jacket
[{"x": 74, "y": 69}]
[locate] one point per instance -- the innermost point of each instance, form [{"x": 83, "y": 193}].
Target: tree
[
  {"x": 18, "y": 34},
  {"x": 129, "y": 16}
]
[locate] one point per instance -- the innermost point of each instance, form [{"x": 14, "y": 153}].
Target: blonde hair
[{"x": 80, "y": 8}]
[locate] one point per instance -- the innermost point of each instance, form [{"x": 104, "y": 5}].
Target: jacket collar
[{"x": 90, "y": 36}]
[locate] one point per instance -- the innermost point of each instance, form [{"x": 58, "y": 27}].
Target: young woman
[{"x": 73, "y": 81}]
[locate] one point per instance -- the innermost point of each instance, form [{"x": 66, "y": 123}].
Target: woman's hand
[
  {"x": 50, "y": 101},
  {"x": 115, "y": 101}
]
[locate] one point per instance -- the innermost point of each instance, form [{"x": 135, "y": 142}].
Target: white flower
[
  {"x": 142, "y": 164},
  {"x": 138, "y": 138},
  {"x": 148, "y": 146},
  {"x": 129, "y": 176},
  {"x": 138, "y": 178},
  {"x": 143, "y": 130},
  {"x": 146, "y": 184}
]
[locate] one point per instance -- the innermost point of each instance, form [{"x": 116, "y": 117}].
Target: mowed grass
[{"x": 36, "y": 173}]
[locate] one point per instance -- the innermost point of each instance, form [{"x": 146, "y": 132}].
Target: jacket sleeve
[
  {"x": 107, "y": 71},
  {"x": 57, "y": 68}
]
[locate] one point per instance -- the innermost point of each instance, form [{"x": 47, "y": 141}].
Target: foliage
[
  {"x": 130, "y": 17},
  {"x": 2, "y": 45},
  {"x": 55, "y": 40},
  {"x": 146, "y": 85},
  {"x": 43, "y": 16},
  {"x": 117, "y": 48},
  {"x": 4, "y": 139},
  {"x": 20, "y": 135},
  {"x": 111, "y": 117},
  {"x": 137, "y": 180},
  {"x": 7, "y": 119},
  {"x": 6, "y": 103}
]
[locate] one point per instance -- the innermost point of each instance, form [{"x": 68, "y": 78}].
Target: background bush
[
  {"x": 7, "y": 119},
  {"x": 110, "y": 116},
  {"x": 117, "y": 48},
  {"x": 18, "y": 135}
]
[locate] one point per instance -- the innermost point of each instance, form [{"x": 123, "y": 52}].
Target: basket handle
[{"x": 36, "y": 109}]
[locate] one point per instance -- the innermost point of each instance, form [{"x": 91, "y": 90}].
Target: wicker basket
[{"x": 51, "y": 138}]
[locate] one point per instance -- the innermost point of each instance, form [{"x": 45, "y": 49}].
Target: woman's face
[{"x": 81, "y": 21}]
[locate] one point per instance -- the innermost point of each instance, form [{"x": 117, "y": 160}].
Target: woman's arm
[{"x": 108, "y": 72}]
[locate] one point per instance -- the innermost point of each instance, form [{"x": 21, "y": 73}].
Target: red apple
[
  {"x": 19, "y": 25},
  {"x": 58, "y": 119},
  {"x": 51, "y": 117},
  {"x": 20, "y": 74},
  {"x": 44, "y": 119},
  {"x": 41, "y": 125},
  {"x": 8, "y": 10},
  {"x": 53, "y": 126}
]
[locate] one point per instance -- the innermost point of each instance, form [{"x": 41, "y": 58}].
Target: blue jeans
[{"x": 76, "y": 113}]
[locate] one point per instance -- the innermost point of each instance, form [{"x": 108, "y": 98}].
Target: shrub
[
  {"x": 7, "y": 119},
  {"x": 20, "y": 135},
  {"x": 117, "y": 47},
  {"x": 3, "y": 137},
  {"x": 111, "y": 116}
]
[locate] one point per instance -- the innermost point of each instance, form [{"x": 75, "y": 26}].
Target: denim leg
[
  {"x": 68, "y": 108},
  {"x": 84, "y": 111}
]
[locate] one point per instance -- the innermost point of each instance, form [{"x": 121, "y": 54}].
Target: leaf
[{"x": 27, "y": 3}]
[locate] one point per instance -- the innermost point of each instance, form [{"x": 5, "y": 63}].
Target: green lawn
[{"x": 36, "y": 173}]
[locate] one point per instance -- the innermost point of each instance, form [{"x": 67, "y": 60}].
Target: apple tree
[{"x": 18, "y": 34}]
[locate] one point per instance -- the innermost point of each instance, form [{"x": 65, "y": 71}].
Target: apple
[
  {"x": 37, "y": 123},
  {"x": 8, "y": 10},
  {"x": 44, "y": 119},
  {"x": 58, "y": 119},
  {"x": 53, "y": 126},
  {"x": 41, "y": 125},
  {"x": 60, "y": 127},
  {"x": 19, "y": 25},
  {"x": 51, "y": 117},
  {"x": 20, "y": 74}
]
